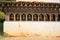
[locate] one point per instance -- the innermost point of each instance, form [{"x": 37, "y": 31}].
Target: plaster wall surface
[
  {"x": 29, "y": 27},
  {"x": 51, "y": 1}
]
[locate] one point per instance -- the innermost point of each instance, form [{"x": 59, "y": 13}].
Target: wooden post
[
  {"x": 26, "y": 17},
  {"x": 32, "y": 17},
  {"x": 20, "y": 17},
  {"x": 38, "y": 17},
  {"x": 14, "y": 17},
  {"x": 50, "y": 18}
]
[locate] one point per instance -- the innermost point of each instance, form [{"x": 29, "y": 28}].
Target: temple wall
[
  {"x": 15, "y": 28},
  {"x": 54, "y": 1}
]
